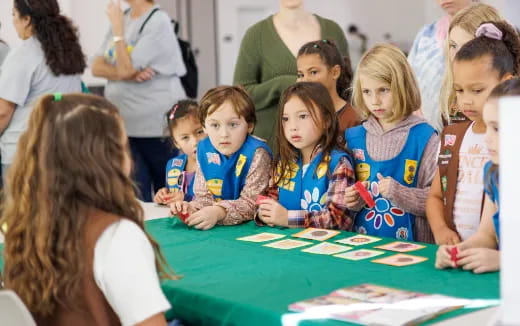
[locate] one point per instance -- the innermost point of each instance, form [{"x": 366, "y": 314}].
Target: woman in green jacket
[{"x": 266, "y": 63}]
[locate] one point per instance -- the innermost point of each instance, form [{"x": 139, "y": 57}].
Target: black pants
[{"x": 150, "y": 156}]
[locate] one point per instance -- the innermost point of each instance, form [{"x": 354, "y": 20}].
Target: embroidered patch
[
  {"x": 359, "y": 154},
  {"x": 215, "y": 186},
  {"x": 449, "y": 140},
  {"x": 289, "y": 174},
  {"x": 402, "y": 233},
  {"x": 410, "y": 169},
  {"x": 321, "y": 170},
  {"x": 444, "y": 183},
  {"x": 173, "y": 181},
  {"x": 240, "y": 164},
  {"x": 362, "y": 171},
  {"x": 213, "y": 158},
  {"x": 177, "y": 162},
  {"x": 174, "y": 173}
]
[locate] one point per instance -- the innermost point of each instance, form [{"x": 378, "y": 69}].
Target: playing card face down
[
  {"x": 262, "y": 237},
  {"x": 400, "y": 260},
  {"x": 326, "y": 248},
  {"x": 360, "y": 254},
  {"x": 401, "y": 246},
  {"x": 287, "y": 244},
  {"x": 316, "y": 234},
  {"x": 359, "y": 240}
]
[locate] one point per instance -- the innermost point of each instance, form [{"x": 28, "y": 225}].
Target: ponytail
[
  {"x": 500, "y": 41},
  {"x": 56, "y": 34}
]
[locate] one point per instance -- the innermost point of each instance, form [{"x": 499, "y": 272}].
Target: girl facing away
[
  {"x": 394, "y": 150},
  {"x": 186, "y": 131},
  {"x": 233, "y": 167},
  {"x": 76, "y": 252},
  {"x": 311, "y": 171},
  {"x": 480, "y": 252}
]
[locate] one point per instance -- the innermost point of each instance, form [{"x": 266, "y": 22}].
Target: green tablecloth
[{"x": 230, "y": 282}]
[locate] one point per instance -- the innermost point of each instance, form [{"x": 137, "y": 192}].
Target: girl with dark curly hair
[{"x": 49, "y": 60}]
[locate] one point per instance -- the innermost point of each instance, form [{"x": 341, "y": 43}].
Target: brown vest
[
  {"x": 448, "y": 162},
  {"x": 93, "y": 307},
  {"x": 348, "y": 118}
]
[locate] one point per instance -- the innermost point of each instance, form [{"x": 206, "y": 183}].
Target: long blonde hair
[
  {"x": 69, "y": 161},
  {"x": 469, "y": 19},
  {"x": 387, "y": 63}
]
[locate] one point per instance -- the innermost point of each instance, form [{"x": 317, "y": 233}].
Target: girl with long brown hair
[
  {"x": 311, "y": 171},
  {"x": 75, "y": 249}
]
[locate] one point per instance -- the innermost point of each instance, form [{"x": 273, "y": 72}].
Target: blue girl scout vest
[
  {"x": 385, "y": 219},
  {"x": 225, "y": 177},
  {"x": 175, "y": 175},
  {"x": 310, "y": 191}
]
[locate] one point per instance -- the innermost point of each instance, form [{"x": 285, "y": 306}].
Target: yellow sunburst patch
[
  {"x": 362, "y": 171},
  {"x": 240, "y": 164},
  {"x": 215, "y": 186},
  {"x": 410, "y": 169}
]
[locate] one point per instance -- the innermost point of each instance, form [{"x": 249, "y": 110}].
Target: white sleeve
[
  {"x": 124, "y": 270},
  {"x": 16, "y": 75}
]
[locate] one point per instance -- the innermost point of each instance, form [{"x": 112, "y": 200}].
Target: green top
[
  {"x": 266, "y": 67},
  {"x": 230, "y": 282}
]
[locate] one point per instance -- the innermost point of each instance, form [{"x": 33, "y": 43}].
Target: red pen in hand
[
  {"x": 363, "y": 192},
  {"x": 453, "y": 253}
]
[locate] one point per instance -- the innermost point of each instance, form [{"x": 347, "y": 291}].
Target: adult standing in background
[
  {"x": 143, "y": 69},
  {"x": 4, "y": 49},
  {"x": 48, "y": 60},
  {"x": 266, "y": 64},
  {"x": 427, "y": 60}
]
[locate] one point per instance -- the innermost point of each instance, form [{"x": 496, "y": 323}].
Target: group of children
[
  {"x": 419, "y": 181},
  {"x": 327, "y": 156}
]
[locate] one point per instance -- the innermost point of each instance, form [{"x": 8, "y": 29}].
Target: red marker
[
  {"x": 260, "y": 198},
  {"x": 363, "y": 192},
  {"x": 453, "y": 252}
]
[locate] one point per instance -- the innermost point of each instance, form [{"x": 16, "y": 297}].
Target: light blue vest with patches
[
  {"x": 386, "y": 219},
  {"x": 310, "y": 191},
  {"x": 225, "y": 177},
  {"x": 175, "y": 175}
]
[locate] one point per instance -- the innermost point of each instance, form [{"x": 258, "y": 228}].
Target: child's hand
[
  {"x": 166, "y": 197},
  {"x": 353, "y": 200},
  {"x": 272, "y": 213},
  {"x": 443, "y": 258},
  {"x": 479, "y": 260},
  {"x": 446, "y": 236},
  {"x": 206, "y": 218},
  {"x": 180, "y": 207},
  {"x": 385, "y": 185}
]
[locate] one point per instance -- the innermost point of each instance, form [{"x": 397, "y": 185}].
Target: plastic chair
[{"x": 13, "y": 310}]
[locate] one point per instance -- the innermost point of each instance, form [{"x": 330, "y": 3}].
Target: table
[{"x": 230, "y": 282}]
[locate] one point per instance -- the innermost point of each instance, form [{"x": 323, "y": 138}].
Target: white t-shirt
[
  {"x": 124, "y": 270},
  {"x": 467, "y": 207}
]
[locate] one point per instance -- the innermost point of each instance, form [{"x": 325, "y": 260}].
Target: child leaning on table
[
  {"x": 233, "y": 167},
  {"x": 480, "y": 252},
  {"x": 186, "y": 132},
  {"x": 311, "y": 170}
]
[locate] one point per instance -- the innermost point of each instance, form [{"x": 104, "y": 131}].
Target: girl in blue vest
[
  {"x": 233, "y": 167},
  {"x": 311, "y": 171},
  {"x": 480, "y": 252},
  {"x": 186, "y": 132},
  {"x": 394, "y": 151}
]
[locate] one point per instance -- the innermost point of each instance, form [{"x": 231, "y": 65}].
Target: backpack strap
[{"x": 147, "y": 19}]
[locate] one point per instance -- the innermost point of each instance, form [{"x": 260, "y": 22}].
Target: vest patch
[
  {"x": 410, "y": 169},
  {"x": 359, "y": 154},
  {"x": 449, "y": 140},
  {"x": 215, "y": 186},
  {"x": 362, "y": 171},
  {"x": 240, "y": 164},
  {"x": 177, "y": 162},
  {"x": 213, "y": 158}
]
